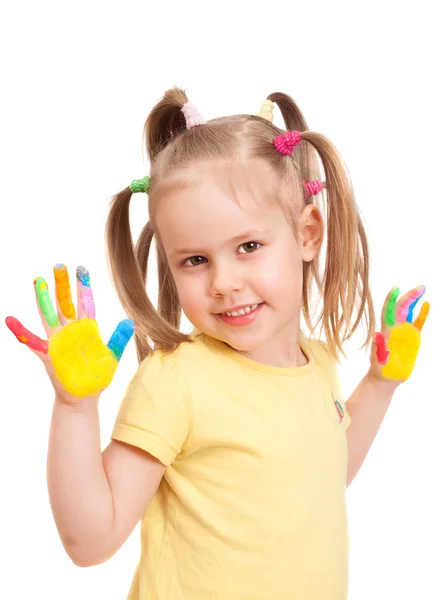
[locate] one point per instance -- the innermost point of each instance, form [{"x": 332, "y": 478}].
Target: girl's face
[{"x": 224, "y": 258}]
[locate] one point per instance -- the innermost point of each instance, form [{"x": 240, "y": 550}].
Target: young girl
[{"x": 231, "y": 443}]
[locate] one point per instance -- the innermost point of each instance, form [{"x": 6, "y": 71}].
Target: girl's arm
[
  {"x": 367, "y": 407},
  {"x": 393, "y": 355},
  {"x": 96, "y": 498}
]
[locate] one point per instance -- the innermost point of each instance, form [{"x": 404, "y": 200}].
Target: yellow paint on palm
[
  {"x": 82, "y": 363},
  {"x": 403, "y": 345}
]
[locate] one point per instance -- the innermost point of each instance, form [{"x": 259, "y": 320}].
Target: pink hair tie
[
  {"x": 286, "y": 143},
  {"x": 312, "y": 187},
  {"x": 192, "y": 115}
]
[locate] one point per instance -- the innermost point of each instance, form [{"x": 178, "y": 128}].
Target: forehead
[
  {"x": 212, "y": 210},
  {"x": 217, "y": 202}
]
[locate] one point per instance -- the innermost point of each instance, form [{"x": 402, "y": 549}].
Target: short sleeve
[{"x": 155, "y": 413}]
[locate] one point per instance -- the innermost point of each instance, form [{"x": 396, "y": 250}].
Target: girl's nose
[{"x": 225, "y": 280}]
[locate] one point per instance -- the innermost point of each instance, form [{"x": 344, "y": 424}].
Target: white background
[{"x": 78, "y": 81}]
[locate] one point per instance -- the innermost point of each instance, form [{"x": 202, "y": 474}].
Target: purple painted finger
[
  {"x": 86, "y": 304},
  {"x": 408, "y": 302}
]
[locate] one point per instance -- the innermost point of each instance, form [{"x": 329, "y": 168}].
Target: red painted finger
[
  {"x": 382, "y": 353},
  {"x": 26, "y": 337}
]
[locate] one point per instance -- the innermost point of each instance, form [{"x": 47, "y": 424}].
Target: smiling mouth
[{"x": 242, "y": 311}]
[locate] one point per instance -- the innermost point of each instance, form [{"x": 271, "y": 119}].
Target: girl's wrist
[
  {"x": 389, "y": 384},
  {"x": 76, "y": 405}
]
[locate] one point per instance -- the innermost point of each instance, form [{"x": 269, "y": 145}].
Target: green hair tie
[{"x": 140, "y": 185}]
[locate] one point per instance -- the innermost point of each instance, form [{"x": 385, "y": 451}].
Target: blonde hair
[{"x": 173, "y": 151}]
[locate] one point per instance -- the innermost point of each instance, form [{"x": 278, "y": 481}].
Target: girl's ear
[{"x": 311, "y": 230}]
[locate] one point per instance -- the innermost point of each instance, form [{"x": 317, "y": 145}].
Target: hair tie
[
  {"x": 286, "y": 143},
  {"x": 192, "y": 115},
  {"x": 140, "y": 185},
  {"x": 312, "y": 187},
  {"x": 266, "y": 111}
]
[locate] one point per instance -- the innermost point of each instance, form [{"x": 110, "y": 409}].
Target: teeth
[{"x": 242, "y": 311}]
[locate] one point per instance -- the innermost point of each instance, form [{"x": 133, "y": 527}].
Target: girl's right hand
[{"x": 79, "y": 365}]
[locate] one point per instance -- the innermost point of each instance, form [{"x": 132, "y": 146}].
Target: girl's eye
[
  {"x": 251, "y": 247},
  {"x": 193, "y": 261}
]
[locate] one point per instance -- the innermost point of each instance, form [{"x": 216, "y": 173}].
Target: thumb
[
  {"x": 120, "y": 338},
  {"x": 380, "y": 347}
]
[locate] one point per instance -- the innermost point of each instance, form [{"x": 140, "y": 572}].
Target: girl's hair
[{"x": 224, "y": 143}]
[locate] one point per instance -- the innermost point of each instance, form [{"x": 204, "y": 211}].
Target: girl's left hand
[{"x": 395, "y": 348}]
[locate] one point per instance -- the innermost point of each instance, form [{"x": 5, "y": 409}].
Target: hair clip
[
  {"x": 313, "y": 187},
  {"x": 286, "y": 143},
  {"x": 140, "y": 185},
  {"x": 266, "y": 111},
  {"x": 192, "y": 115}
]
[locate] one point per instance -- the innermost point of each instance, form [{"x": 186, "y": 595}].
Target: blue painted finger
[
  {"x": 120, "y": 338},
  {"x": 409, "y": 317}
]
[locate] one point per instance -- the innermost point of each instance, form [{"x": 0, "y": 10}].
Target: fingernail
[{"x": 83, "y": 275}]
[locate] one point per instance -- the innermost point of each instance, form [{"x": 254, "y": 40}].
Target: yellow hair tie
[{"x": 266, "y": 111}]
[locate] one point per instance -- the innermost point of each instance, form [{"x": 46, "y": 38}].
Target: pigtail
[
  {"x": 165, "y": 121},
  {"x": 128, "y": 268},
  {"x": 305, "y": 158},
  {"x": 129, "y": 264},
  {"x": 346, "y": 290},
  {"x": 294, "y": 120}
]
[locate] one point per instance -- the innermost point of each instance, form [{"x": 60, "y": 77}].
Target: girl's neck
[{"x": 278, "y": 357}]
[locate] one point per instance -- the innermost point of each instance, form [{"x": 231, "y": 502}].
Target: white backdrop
[{"x": 78, "y": 81}]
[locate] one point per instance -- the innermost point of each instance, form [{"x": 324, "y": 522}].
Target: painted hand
[
  {"x": 75, "y": 358},
  {"x": 395, "y": 348}
]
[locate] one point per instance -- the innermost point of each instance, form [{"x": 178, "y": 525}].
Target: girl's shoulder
[
  {"x": 187, "y": 354},
  {"x": 320, "y": 351}
]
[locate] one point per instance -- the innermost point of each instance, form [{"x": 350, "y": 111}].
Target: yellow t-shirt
[{"x": 252, "y": 503}]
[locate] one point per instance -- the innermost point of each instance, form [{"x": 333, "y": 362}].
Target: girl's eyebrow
[{"x": 247, "y": 234}]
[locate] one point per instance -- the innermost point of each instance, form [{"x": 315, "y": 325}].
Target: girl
[{"x": 232, "y": 443}]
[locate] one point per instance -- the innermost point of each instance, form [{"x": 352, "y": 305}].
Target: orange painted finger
[
  {"x": 63, "y": 292},
  {"x": 424, "y": 311}
]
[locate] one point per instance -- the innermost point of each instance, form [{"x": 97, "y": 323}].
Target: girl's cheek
[{"x": 191, "y": 295}]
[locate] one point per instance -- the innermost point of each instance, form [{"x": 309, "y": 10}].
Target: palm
[
  {"x": 75, "y": 358},
  {"x": 398, "y": 343}
]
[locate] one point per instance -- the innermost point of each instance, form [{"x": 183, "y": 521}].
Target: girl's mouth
[{"x": 243, "y": 316}]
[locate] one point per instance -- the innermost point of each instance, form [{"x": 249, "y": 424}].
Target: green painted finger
[
  {"x": 45, "y": 302},
  {"x": 390, "y": 310}
]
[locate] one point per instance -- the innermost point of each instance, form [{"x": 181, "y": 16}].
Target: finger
[
  {"x": 120, "y": 338},
  {"x": 48, "y": 315},
  {"x": 424, "y": 311},
  {"x": 65, "y": 308},
  {"x": 26, "y": 337},
  {"x": 388, "y": 317},
  {"x": 86, "y": 304},
  {"x": 411, "y": 307},
  {"x": 381, "y": 352},
  {"x": 407, "y": 301}
]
